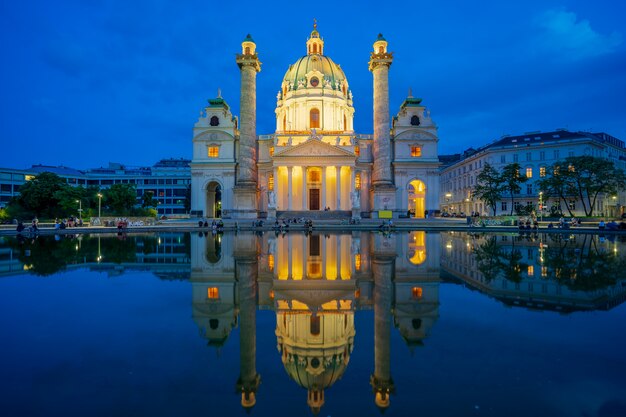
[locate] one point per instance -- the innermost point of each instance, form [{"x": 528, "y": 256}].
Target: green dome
[{"x": 332, "y": 72}]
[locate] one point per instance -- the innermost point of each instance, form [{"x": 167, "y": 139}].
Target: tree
[
  {"x": 120, "y": 198},
  {"x": 584, "y": 178},
  {"x": 489, "y": 186},
  {"x": 67, "y": 198},
  {"x": 37, "y": 195},
  {"x": 148, "y": 200},
  {"x": 511, "y": 179}
]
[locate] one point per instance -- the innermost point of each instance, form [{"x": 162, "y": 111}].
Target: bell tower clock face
[{"x": 315, "y": 82}]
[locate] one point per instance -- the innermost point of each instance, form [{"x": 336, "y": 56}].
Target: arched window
[
  {"x": 415, "y": 121},
  {"x": 247, "y": 50},
  {"x": 314, "y": 48},
  {"x": 345, "y": 123},
  {"x": 381, "y": 49},
  {"x": 315, "y": 325},
  {"x": 215, "y": 121},
  {"x": 284, "y": 123},
  {"x": 314, "y": 119}
]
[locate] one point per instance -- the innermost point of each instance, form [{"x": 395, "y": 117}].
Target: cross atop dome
[{"x": 315, "y": 44}]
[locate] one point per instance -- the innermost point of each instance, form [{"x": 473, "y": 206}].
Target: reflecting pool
[{"x": 419, "y": 323}]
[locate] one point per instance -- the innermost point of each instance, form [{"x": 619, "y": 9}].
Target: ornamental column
[
  {"x": 338, "y": 181},
  {"x": 289, "y": 187},
  {"x": 382, "y": 178},
  {"x": 324, "y": 188},
  {"x": 246, "y": 187}
]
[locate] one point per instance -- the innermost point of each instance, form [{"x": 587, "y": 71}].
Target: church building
[{"x": 314, "y": 164}]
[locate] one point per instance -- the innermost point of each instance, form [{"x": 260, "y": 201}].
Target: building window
[
  {"x": 314, "y": 119},
  {"x": 357, "y": 150},
  {"x": 271, "y": 151},
  {"x": 416, "y": 293},
  {"x": 416, "y": 151},
  {"x": 515, "y": 158},
  {"x": 503, "y": 159},
  {"x": 345, "y": 121},
  {"x": 529, "y": 156},
  {"x": 542, "y": 155},
  {"x": 572, "y": 205},
  {"x": 215, "y": 121},
  {"x": 213, "y": 293},
  {"x": 314, "y": 176},
  {"x": 531, "y": 270},
  {"x": 415, "y": 121},
  {"x": 556, "y": 154},
  {"x": 542, "y": 171},
  {"x": 357, "y": 262},
  {"x": 357, "y": 181},
  {"x": 529, "y": 172},
  {"x": 504, "y": 206},
  {"x": 270, "y": 182},
  {"x": 315, "y": 325},
  {"x": 270, "y": 262},
  {"x": 529, "y": 188},
  {"x": 213, "y": 151},
  {"x": 247, "y": 50},
  {"x": 571, "y": 168}
]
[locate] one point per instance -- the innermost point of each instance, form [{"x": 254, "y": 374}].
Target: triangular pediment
[{"x": 313, "y": 147}]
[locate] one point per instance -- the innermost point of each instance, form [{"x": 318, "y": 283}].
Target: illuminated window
[
  {"x": 315, "y": 325},
  {"x": 314, "y": 119},
  {"x": 381, "y": 50},
  {"x": 357, "y": 181},
  {"x": 357, "y": 261},
  {"x": 213, "y": 293},
  {"x": 29, "y": 177},
  {"x": 416, "y": 151},
  {"x": 270, "y": 182},
  {"x": 247, "y": 50},
  {"x": 285, "y": 117},
  {"x": 357, "y": 150},
  {"x": 571, "y": 168},
  {"x": 529, "y": 172},
  {"x": 314, "y": 176},
  {"x": 556, "y": 170},
  {"x": 213, "y": 151},
  {"x": 345, "y": 122},
  {"x": 542, "y": 171},
  {"x": 270, "y": 261},
  {"x": 416, "y": 293},
  {"x": 531, "y": 270},
  {"x": 544, "y": 271},
  {"x": 271, "y": 151},
  {"x": 315, "y": 268}
]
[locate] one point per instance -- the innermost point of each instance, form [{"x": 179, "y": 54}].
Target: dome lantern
[{"x": 315, "y": 44}]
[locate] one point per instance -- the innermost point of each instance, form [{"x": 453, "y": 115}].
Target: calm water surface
[{"x": 429, "y": 324}]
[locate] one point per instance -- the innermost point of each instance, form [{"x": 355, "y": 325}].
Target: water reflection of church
[{"x": 315, "y": 284}]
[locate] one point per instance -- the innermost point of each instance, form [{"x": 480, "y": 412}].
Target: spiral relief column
[{"x": 246, "y": 189}]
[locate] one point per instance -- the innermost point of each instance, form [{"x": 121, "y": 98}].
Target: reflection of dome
[
  {"x": 215, "y": 322},
  {"x": 320, "y": 63},
  {"x": 315, "y": 349}
]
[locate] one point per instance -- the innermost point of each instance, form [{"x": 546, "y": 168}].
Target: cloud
[{"x": 563, "y": 32}]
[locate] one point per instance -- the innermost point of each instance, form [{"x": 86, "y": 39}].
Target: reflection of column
[
  {"x": 339, "y": 256},
  {"x": 246, "y": 272},
  {"x": 304, "y": 206},
  {"x": 324, "y": 187},
  {"x": 277, "y": 187},
  {"x": 289, "y": 187},
  {"x": 382, "y": 269},
  {"x": 338, "y": 180},
  {"x": 324, "y": 257}
]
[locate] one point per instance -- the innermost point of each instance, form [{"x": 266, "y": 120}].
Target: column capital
[
  {"x": 246, "y": 60},
  {"x": 378, "y": 59}
]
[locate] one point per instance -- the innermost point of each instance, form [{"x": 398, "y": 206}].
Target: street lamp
[
  {"x": 99, "y": 205},
  {"x": 448, "y": 197},
  {"x": 80, "y": 209},
  {"x": 541, "y": 206}
]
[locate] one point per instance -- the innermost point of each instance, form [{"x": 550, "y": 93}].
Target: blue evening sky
[{"x": 88, "y": 82}]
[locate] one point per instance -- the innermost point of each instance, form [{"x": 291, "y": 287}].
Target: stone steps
[{"x": 315, "y": 215}]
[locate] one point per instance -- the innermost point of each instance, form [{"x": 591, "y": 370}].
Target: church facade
[{"x": 314, "y": 162}]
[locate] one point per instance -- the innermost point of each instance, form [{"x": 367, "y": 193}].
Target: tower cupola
[
  {"x": 315, "y": 44},
  {"x": 248, "y": 47}
]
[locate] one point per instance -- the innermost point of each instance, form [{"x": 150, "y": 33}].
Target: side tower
[
  {"x": 383, "y": 189},
  {"x": 246, "y": 189},
  {"x": 415, "y": 159},
  {"x": 213, "y": 163}
]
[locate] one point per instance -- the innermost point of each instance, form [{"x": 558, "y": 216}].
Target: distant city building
[
  {"x": 535, "y": 152},
  {"x": 168, "y": 179}
]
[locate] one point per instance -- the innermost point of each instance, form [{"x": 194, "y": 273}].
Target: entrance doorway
[
  {"x": 213, "y": 200},
  {"x": 314, "y": 199},
  {"x": 417, "y": 199}
]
